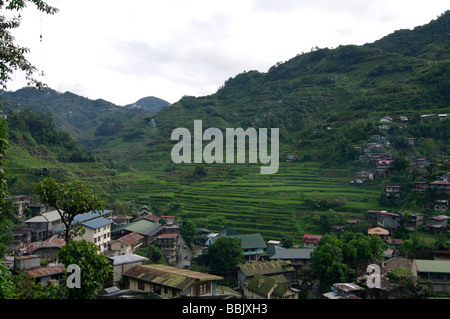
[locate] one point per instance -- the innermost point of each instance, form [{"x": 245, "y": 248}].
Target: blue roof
[
  {"x": 97, "y": 223},
  {"x": 81, "y": 218}
]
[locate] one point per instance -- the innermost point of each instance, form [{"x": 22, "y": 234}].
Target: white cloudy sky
[{"x": 122, "y": 51}]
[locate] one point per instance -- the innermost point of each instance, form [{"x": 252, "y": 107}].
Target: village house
[
  {"x": 311, "y": 241},
  {"x": 441, "y": 187},
  {"x": 263, "y": 287},
  {"x": 385, "y": 167},
  {"x": 46, "y": 249},
  {"x": 420, "y": 187},
  {"x": 281, "y": 270},
  {"x": 170, "y": 282},
  {"x": 46, "y": 275},
  {"x": 393, "y": 192},
  {"x": 300, "y": 258},
  {"x": 344, "y": 291},
  {"x": 123, "y": 263},
  {"x": 413, "y": 221},
  {"x": 42, "y": 225},
  {"x": 22, "y": 237},
  {"x": 147, "y": 228},
  {"x": 439, "y": 205},
  {"x": 97, "y": 231},
  {"x": 31, "y": 265},
  {"x": 432, "y": 274},
  {"x": 120, "y": 220},
  {"x": 380, "y": 232},
  {"x": 365, "y": 175},
  {"x": 438, "y": 222},
  {"x": 388, "y": 219},
  {"x": 127, "y": 244},
  {"x": 253, "y": 245},
  {"x": 168, "y": 244}
]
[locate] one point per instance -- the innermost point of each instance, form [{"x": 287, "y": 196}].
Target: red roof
[
  {"x": 130, "y": 238},
  {"x": 311, "y": 238},
  {"x": 46, "y": 271},
  {"x": 168, "y": 236}
]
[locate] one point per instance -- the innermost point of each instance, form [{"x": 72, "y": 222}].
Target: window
[
  {"x": 157, "y": 289},
  {"x": 141, "y": 285}
]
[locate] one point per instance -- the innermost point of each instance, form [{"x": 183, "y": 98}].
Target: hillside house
[
  {"x": 46, "y": 275},
  {"x": 22, "y": 237},
  {"x": 393, "y": 192},
  {"x": 311, "y": 241},
  {"x": 147, "y": 228},
  {"x": 127, "y": 244},
  {"x": 263, "y": 287},
  {"x": 380, "y": 232},
  {"x": 439, "y": 205},
  {"x": 344, "y": 291},
  {"x": 388, "y": 219},
  {"x": 441, "y": 187},
  {"x": 168, "y": 244},
  {"x": 46, "y": 249},
  {"x": 299, "y": 257},
  {"x": 97, "y": 231},
  {"x": 413, "y": 221},
  {"x": 120, "y": 220},
  {"x": 385, "y": 167},
  {"x": 281, "y": 270},
  {"x": 365, "y": 175},
  {"x": 420, "y": 187},
  {"x": 437, "y": 222},
  {"x": 170, "y": 282},
  {"x": 123, "y": 263},
  {"x": 42, "y": 225},
  {"x": 253, "y": 245},
  {"x": 433, "y": 274}
]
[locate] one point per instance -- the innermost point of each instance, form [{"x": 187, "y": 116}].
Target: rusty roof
[
  {"x": 169, "y": 276},
  {"x": 266, "y": 267},
  {"x": 46, "y": 271},
  {"x": 130, "y": 238}
]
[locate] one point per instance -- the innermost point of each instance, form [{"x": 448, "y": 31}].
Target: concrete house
[
  {"x": 42, "y": 225},
  {"x": 436, "y": 272},
  {"x": 438, "y": 222},
  {"x": 98, "y": 231}
]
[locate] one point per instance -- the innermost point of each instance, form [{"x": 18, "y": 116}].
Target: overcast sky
[{"x": 121, "y": 51}]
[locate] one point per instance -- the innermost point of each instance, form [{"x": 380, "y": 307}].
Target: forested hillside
[{"x": 331, "y": 106}]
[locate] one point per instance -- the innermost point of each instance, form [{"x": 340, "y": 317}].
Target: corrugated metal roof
[
  {"x": 97, "y": 223},
  {"x": 46, "y": 271},
  {"x": 440, "y": 266},
  {"x": 173, "y": 277},
  {"x": 266, "y": 267}
]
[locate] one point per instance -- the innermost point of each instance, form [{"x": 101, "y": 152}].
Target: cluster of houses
[{"x": 270, "y": 271}]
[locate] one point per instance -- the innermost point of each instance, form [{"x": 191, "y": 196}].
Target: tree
[
  {"x": 188, "y": 230},
  {"x": 69, "y": 199},
  {"x": 95, "y": 268},
  {"x": 12, "y": 56},
  {"x": 225, "y": 255}
]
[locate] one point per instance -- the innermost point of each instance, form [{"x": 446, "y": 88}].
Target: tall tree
[
  {"x": 95, "y": 268},
  {"x": 69, "y": 199},
  {"x": 12, "y": 55}
]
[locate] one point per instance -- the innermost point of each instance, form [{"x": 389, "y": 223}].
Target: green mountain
[
  {"x": 148, "y": 104},
  {"x": 327, "y": 104}
]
